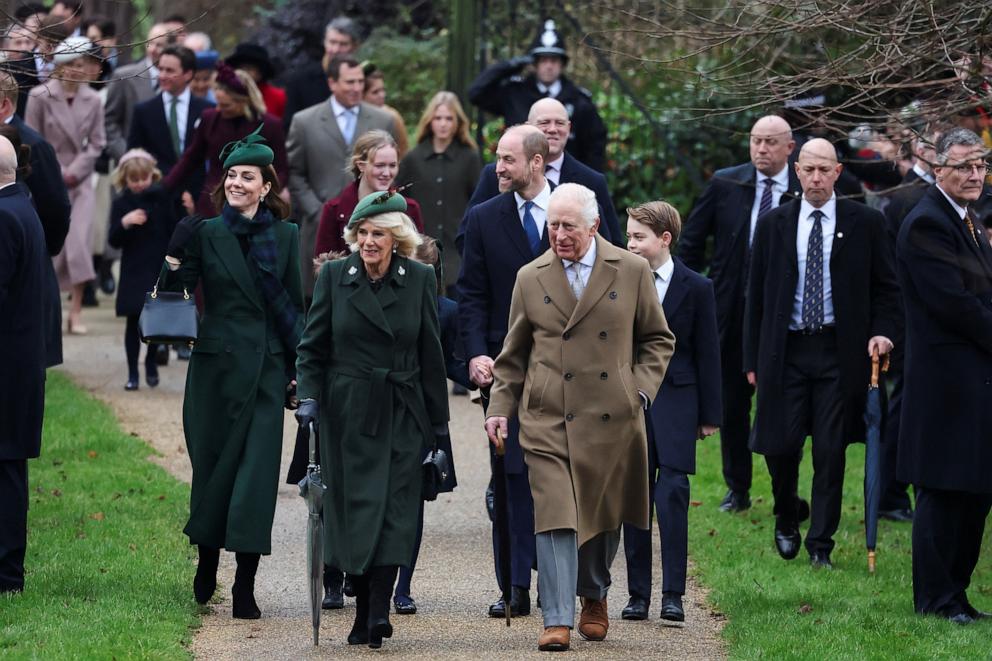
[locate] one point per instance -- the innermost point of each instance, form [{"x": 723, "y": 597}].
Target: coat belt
[{"x": 381, "y": 380}]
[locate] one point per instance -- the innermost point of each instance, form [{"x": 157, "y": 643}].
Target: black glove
[
  {"x": 307, "y": 413},
  {"x": 185, "y": 229},
  {"x": 520, "y": 61}
]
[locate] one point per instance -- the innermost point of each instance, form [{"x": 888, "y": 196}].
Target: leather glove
[
  {"x": 520, "y": 61},
  {"x": 185, "y": 230},
  {"x": 307, "y": 413}
]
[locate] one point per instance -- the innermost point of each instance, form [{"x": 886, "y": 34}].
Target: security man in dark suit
[
  {"x": 821, "y": 298},
  {"x": 945, "y": 269},
  {"x": 24, "y": 262},
  {"x": 501, "y": 90},
  {"x": 501, "y": 235},
  {"x": 728, "y": 211},
  {"x": 550, "y": 116},
  {"x": 686, "y": 408}
]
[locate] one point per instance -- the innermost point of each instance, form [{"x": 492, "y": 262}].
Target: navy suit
[
  {"x": 150, "y": 131},
  {"x": 495, "y": 247},
  {"x": 573, "y": 171},
  {"x": 24, "y": 267},
  {"x": 689, "y": 397}
]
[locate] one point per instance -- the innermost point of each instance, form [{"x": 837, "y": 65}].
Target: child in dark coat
[{"x": 142, "y": 219}]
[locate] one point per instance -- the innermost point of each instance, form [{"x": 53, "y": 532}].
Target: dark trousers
[
  {"x": 947, "y": 539},
  {"x": 406, "y": 573},
  {"x": 894, "y": 494},
  {"x": 737, "y": 392},
  {"x": 813, "y": 405},
  {"x": 671, "y": 502},
  {"x": 13, "y": 523},
  {"x": 132, "y": 347}
]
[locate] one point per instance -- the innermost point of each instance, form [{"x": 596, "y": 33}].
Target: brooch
[
  {"x": 401, "y": 271},
  {"x": 352, "y": 271},
  {"x": 840, "y": 235}
]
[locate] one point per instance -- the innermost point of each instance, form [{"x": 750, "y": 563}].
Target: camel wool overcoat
[{"x": 572, "y": 372}]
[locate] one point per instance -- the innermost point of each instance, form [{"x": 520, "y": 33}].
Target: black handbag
[
  {"x": 436, "y": 471},
  {"x": 168, "y": 318}
]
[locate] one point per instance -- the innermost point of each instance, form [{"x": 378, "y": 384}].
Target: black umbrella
[
  {"x": 502, "y": 513},
  {"x": 312, "y": 489},
  {"x": 873, "y": 455}
]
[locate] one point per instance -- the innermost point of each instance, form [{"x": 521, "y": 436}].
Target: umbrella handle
[
  {"x": 875, "y": 367},
  {"x": 501, "y": 448},
  {"x": 871, "y": 562}
]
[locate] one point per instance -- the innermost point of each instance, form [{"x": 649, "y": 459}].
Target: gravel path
[{"x": 453, "y": 584}]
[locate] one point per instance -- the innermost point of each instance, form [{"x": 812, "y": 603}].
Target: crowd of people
[{"x": 321, "y": 238}]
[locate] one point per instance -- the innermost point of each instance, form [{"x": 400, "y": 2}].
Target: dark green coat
[
  {"x": 235, "y": 389},
  {"x": 374, "y": 362}
]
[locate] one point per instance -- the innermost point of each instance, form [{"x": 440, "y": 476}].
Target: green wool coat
[
  {"x": 235, "y": 389},
  {"x": 374, "y": 363}
]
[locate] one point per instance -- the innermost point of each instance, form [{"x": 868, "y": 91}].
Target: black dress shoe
[
  {"x": 151, "y": 380},
  {"x": 899, "y": 516},
  {"x": 636, "y": 609},
  {"x": 519, "y": 604},
  {"x": 404, "y": 605},
  {"x": 333, "y": 599},
  {"x": 787, "y": 540},
  {"x": 671, "y": 607},
  {"x": 976, "y": 614},
  {"x": 820, "y": 560},
  {"x": 735, "y": 501},
  {"x": 961, "y": 618},
  {"x": 162, "y": 355},
  {"x": 132, "y": 384},
  {"x": 89, "y": 296}
]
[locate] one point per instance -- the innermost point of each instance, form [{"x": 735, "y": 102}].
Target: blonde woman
[{"x": 240, "y": 109}]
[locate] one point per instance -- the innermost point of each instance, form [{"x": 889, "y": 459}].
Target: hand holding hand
[
  {"x": 185, "y": 230},
  {"x": 480, "y": 370},
  {"x": 132, "y": 218},
  {"x": 706, "y": 430},
  {"x": 882, "y": 343},
  {"x": 502, "y": 425}
]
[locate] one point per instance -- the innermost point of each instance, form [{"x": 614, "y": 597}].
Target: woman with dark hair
[
  {"x": 241, "y": 373},
  {"x": 239, "y": 110}
]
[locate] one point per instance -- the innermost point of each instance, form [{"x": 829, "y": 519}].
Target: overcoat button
[
  {"x": 569, "y": 417},
  {"x": 440, "y": 179},
  {"x": 602, "y": 335},
  {"x": 606, "y": 417},
  {"x": 604, "y": 376},
  {"x": 569, "y": 376},
  {"x": 547, "y": 299},
  {"x": 439, "y": 202},
  {"x": 228, "y": 348},
  {"x": 566, "y": 335},
  {"x": 613, "y": 295},
  {"x": 988, "y": 381}
]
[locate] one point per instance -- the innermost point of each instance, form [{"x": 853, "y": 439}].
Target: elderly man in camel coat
[{"x": 587, "y": 347}]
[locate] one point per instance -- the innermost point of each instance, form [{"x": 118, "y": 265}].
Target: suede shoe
[
  {"x": 735, "y": 501},
  {"x": 594, "y": 621},
  {"x": 554, "y": 639},
  {"x": 636, "y": 609}
]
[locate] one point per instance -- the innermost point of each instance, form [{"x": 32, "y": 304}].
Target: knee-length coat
[
  {"x": 235, "y": 389},
  {"x": 374, "y": 362},
  {"x": 76, "y": 132}
]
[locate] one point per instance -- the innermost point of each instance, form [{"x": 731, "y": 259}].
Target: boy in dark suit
[{"x": 687, "y": 408}]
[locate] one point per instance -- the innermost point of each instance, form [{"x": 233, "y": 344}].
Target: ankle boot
[
  {"x": 205, "y": 581},
  {"x": 360, "y": 629},
  {"x": 243, "y": 591},
  {"x": 381, "y": 581}
]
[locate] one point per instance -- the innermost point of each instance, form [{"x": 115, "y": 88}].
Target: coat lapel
[
  {"x": 330, "y": 124},
  {"x": 844, "y": 225},
  {"x": 789, "y": 229},
  {"x": 676, "y": 290},
  {"x": 362, "y": 296},
  {"x": 551, "y": 276},
  {"x": 228, "y": 249},
  {"x": 514, "y": 228},
  {"x": 604, "y": 272}
]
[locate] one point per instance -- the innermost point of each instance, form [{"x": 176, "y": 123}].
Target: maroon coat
[{"x": 336, "y": 213}]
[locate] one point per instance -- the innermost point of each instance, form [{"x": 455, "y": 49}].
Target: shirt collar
[
  {"x": 553, "y": 89},
  {"x": 781, "y": 178},
  {"x": 829, "y": 208},
  {"x": 541, "y": 201},
  {"x": 923, "y": 174},
  {"x": 666, "y": 270},
  {"x": 588, "y": 259},
  {"x": 338, "y": 108},
  {"x": 557, "y": 163},
  {"x": 961, "y": 211},
  {"x": 183, "y": 97}
]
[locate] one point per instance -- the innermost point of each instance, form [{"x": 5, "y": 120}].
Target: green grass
[
  {"x": 778, "y": 609},
  {"x": 108, "y": 569}
]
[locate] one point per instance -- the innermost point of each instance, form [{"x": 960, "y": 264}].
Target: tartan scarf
[{"x": 262, "y": 259}]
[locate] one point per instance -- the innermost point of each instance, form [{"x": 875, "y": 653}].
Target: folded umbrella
[
  {"x": 873, "y": 455},
  {"x": 312, "y": 490}
]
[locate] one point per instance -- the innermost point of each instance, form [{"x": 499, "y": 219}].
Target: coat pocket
[
  {"x": 536, "y": 387},
  {"x": 627, "y": 379}
]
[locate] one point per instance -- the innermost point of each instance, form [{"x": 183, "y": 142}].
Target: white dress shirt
[
  {"x": 780, "y": 185},
  {"x": 182, "y": 114},
  {"x": 585, "y": 264},
  {"x": 552, "y": 90},
  {"x": 341, "y": 115},
  {"x": 663, "y": 278},
  {"x": 923, "y": 174},
  {"x": 827, "y": 225},
  {"x": 960, "y": 210},
  {"x": 552, "y": 171},
  {"x": 540, "y": 209}
]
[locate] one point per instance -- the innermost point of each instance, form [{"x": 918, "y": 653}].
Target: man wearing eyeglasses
[{"x": 945, "y": 269}]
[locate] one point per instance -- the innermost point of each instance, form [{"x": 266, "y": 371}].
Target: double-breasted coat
[
  {"x": 374, "y": 363},
  {"x": 235, "y": 388},
  {"x": 572, "y": 372},
  {"x": 76, "y": 132}
]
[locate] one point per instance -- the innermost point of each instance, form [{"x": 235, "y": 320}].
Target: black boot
[
  {"x": 381, "y": 581},
  {"x": 333, "y": 599},
  {"x": 205, "y": 581},
  {"x": 360, "y": 629},
  {"x": 243, "y": 590}
]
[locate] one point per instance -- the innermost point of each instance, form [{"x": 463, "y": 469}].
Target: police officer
[{"x": 503, "y": 90}]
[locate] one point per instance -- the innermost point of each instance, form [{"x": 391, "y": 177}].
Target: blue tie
[
  {"x": 813, "y": 289},
  {"x": 349, "y": 125},
  {"x": 530, "y": 227}
]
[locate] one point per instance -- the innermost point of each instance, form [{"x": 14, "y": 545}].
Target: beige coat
[{"x": 571, "y": 371}]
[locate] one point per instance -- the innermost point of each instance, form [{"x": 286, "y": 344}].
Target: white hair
[
  {"x": 202, "y": 37},
  {"x": 580, "y": 195},
  {"x": 398, "y": 223},
  {"x": 8, "y": 161}
]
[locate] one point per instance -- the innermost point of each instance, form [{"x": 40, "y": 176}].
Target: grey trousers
[{"x": 564, "y": 571}]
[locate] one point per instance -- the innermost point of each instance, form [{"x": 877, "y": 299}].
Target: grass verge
[
  {"x": 778, "y": 609},
  {"x": 108, "y": 569}
]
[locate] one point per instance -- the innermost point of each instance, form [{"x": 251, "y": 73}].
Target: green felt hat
[
  {"x": 249, "y": 150},
  {"x": 375, "y": 203}
]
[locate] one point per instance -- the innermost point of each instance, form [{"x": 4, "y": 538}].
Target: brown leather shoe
[
  {"x": 594, "y": 621},
  {"x": 554, "y": 639}
]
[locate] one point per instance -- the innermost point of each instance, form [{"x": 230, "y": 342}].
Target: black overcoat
[
  {"x": 946, "y": 280},
  {"x": 865, "y": 305}
]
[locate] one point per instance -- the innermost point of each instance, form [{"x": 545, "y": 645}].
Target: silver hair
[
  {"x": 202, "y": 36},
  {"x": 585, "y": 198},
  {"x": 954, "y": 138},
  {"x": 347, "y": 26},
  {"x": 8, "y": 161}
]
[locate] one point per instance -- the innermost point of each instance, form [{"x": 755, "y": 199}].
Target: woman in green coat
[
  {"x": 371, "y": 357},
  {"x": 241, "y": 372}
]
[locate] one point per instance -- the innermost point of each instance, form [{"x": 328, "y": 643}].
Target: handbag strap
[{"x": 155, "y": 290}]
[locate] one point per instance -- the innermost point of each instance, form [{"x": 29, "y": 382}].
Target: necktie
[
  {"x": 174, "y": 125},
  {"x": 349, "y": 125},
  {"x": 575, "y": 282},
  {"x": 971, "y": 226},
  {"x": 766, "y": 197},
  {"x": 813, "y": 289},
  {"x": 530, "y": 227}
]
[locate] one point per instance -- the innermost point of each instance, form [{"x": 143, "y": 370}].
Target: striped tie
[{"x": 766, "y": 197}]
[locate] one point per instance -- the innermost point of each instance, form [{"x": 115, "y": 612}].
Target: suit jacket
[
  {"x": 318, "y": 157},
  {"x": 902, "y": 200},
  {"x": 150, "y": 131},
  {"x": 572, "y": 172},
  {"x": 129, "y": 85},
  {"x": 690, "y": 395},
  {"x": 24, "y": 268},
  {"x": 723, "y": 211},
  {"x": 571, "y": 371},
  {"x": 865, "y": 300},
  {"x": 946, "y": 279},
  {"x": 455, "y": 364}
]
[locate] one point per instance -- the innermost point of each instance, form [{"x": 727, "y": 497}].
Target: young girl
[{"x": 142, "y": 219}]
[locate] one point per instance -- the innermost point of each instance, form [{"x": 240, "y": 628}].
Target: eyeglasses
[{"x": 965, "y": 169}]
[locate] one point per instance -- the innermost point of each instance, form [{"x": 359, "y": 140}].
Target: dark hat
[
  {"x": 250, "y": 150},
  {"x": 230, "y": 80},
  {"x": 374, "y": 204},
  {"x": 252, "y": 54},
  {"x": 549, "y": 42},
  {"x": 206, "y": 59}
]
